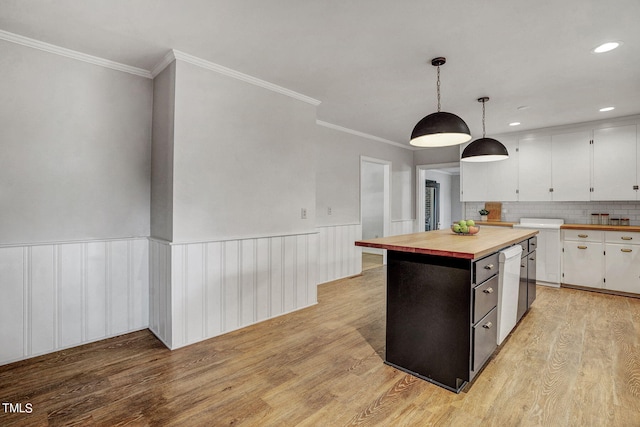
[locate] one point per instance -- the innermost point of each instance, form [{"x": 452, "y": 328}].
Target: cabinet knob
[
  {"x": 488, "y": 291},
  {"x": 584, "y": 236},
  {"x": 487, "y": 325},
  {"x": 626, "y": 250},
  {"x": 626, "y": 238},
  {"x": 488, "y": 266},
  {"x": 582, "y": 247}
]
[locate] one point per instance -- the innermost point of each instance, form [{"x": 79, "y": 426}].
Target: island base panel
[{"x": 428, "y": 317}]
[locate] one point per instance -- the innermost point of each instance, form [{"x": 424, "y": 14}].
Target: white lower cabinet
[
  {"x": 607, "y": 260},
  {"x": 583, "y": 264},
  {"x": 622, "y": 268}
]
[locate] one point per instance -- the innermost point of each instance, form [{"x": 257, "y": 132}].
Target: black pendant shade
[
  {"x": 484, "y": 150},
  {"x": 439, "y": 130}
]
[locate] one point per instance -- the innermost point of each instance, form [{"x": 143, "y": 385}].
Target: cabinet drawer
[
  {"x": 533, "y": 243},
  {"x": 583, "y": 235},
  {"x": 485, "y": 268},
  {"x": 485, "y": 335},
  {"x": 485, "y": 297},
  {"x": 525, "y": 246},
  {"x": 622, "y": 237}
]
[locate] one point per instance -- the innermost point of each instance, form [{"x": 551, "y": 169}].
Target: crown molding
[
  {"x": 199, "y": 62},
  {"x": 363, "y": 135},
  {"x": 167, "y": 59},
  {"x": 47, "y": 47}
]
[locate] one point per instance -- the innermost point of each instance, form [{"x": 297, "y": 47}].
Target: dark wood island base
[{"x": 442, "y": 310}]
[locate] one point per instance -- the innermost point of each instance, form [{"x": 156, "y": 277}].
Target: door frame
[
  {"x": 386, "y": 222},
  {"x": 420, "y": 179}
]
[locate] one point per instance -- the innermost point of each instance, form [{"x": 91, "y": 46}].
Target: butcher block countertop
[
  {"x": 600, "y": 227},
  {"x": 446, "y": 243}
]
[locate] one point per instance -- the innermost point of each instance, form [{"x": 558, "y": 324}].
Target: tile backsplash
[{"x": 571, "y": 212}]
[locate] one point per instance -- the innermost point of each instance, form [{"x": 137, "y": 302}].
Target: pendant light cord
[
  {"x": 483, "y": 133},
  {"x": 438, "y": 87}
]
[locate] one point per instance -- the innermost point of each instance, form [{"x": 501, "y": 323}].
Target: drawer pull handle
[
  {"x": 584, "y": 236},
  {"x": 487, "y": 325},
  {"x": 488, "y": 267},
  {"x": 582, "y": 247},
  {"x": 488, "y": 291},
  {"x": 626, "y": 238},
  {"x": 522, "y": 265},
  {"x": 626, "y": 250},
  {"x": 533, "y": 244},
  {"x": 532, "y": 259}
]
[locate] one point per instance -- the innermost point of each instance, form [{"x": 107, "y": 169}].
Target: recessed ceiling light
[
  {"x": 607, "y": 109},
  {"x": 514, "y": 124},
  {"x": 606, "y": 47},
  {"x": 523, "y": 107}
]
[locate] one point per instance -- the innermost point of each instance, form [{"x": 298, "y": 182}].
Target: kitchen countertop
[
  {"x": 631, "y": 228},
  {"x": 447, "y": 243},
  {"x": 496, "y": 223},
  {"x": 600, "y": 227}
]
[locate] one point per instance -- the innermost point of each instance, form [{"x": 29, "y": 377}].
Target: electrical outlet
[
  {"x": 329, "y": 211},
  {"x": 303, "y": 213}
]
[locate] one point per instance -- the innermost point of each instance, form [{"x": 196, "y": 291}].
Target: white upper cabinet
[
  {"x": 502, "y": 182},
  {"x": 474, "y": 181},
  {"x": 496, "y": 181},
  {"x": 615, "y": 163},
  {"x": 534, "y": 171},
  {"x": 571, "y": 166}
]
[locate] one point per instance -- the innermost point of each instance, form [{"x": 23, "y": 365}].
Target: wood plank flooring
[
  {"x": 574, "y": 360},
  {"x": 370, "y": 261}
]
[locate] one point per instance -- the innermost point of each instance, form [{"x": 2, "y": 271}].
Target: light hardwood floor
[
  {"x": 574, "y": 360},
  {"x": 370, "y": 261}
]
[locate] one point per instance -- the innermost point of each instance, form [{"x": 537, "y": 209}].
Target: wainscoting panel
[
  {"x": 217, "y": 287},
  {"x": 337, "y": 255},
  {"x": 406, "y": 226},
  {"x": 160, "y": 290},
  {"x": 61, "y": 295}
]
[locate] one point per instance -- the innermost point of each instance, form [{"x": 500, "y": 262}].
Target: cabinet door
[
  {"x": 534, "y": 173},
  {"x": 571, "y": 166},
  {"x": 548, "y": 256},
  {"x": 622, "y": 270},
  {"x": 502, "y": 176},
  {"x": 474, "y": 181},
  {"x": 614, "y": 163},
  {"x": 583, "y": 264}
]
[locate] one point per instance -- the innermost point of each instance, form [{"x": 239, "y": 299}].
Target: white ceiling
[{"x": 368, "y": 61}]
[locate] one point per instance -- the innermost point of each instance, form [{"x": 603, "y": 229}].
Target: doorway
[
  {"x": 449, "y": 208},
  {"x": 375, "y": 175},
  {"x": 431, "y": 205}
]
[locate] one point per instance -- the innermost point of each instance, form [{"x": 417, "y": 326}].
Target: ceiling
[{"x": 368, "y": 61}]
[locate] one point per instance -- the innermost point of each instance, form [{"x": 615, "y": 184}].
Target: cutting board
[{"x": 495, "y": 210}]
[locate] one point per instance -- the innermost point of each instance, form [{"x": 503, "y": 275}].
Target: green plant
[{"x": 483, "y": 212}]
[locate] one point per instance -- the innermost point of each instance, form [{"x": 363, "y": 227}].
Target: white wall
[
  {"x": 456, "y": 205},
  {"x": 74, "y": 157},
  {"x": 161, "y": 215},
  {"x": 337, "y": 163},
  {"x": 243, "y": 159},
  {"x": 74, "y": 189}
]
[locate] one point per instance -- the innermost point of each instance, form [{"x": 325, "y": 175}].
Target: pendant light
[
  {"x": 440, "y": 129},
  {"x": 484, "y": 149}
]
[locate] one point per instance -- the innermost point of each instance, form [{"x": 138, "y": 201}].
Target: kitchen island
[{"x": 442, "y": 294}]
